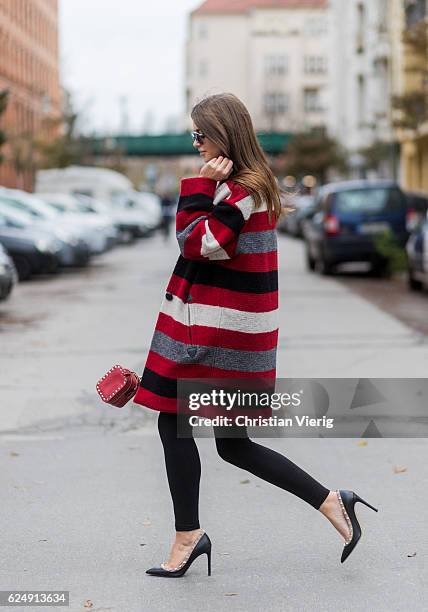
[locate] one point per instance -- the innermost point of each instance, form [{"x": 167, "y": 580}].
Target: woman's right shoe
[
  {"x": 202, "y": 546},
  {"x": 347, "y": 500}
]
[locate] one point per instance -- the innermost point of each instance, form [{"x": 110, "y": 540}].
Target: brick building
[{"x": 29, "y": 69}]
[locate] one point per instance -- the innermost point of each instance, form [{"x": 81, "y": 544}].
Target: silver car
[{"x": 417, "y": 257}]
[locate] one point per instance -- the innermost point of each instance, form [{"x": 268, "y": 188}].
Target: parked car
[
  {"x": 99, "y": 229},
  {"x": 151, "y": 204},
  {"x": 33, "y": 251},
  {"x": 90, "y": 205},
  {"x": 417, "y": 207},
  {"x": 21, "y": 211},
  {"x": 417, "y": 257},
  {"x": 145, "y": 204},
  {"x": 8, "y": 274},
  {"x": 134, "y": 221},
  {"x": 346, "y": 219},
  {"x": 129, "y": 225},
  {"x": 100, "y": 183},
  {"x": 292, "y": 222}
]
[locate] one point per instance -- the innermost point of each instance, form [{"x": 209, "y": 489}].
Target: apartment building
[
  {"x": 273, "y": 54},
  {"x": 366, "y": 73},
  {"x": 413, "y": 135}
]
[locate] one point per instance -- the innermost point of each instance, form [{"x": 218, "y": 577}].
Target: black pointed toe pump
[
  {"x": 202, "y": 546},
  {"x": 347, "y": 500}
]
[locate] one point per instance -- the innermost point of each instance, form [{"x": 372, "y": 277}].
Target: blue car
[{"x": 346, "y": 219}]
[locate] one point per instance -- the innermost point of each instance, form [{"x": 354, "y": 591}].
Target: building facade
[
  {"x": 273, "y": 54},
  {"x": 29, "y": 70},
  {"x": 365, "y": 57},
  {"x": 413, "y": 135}
]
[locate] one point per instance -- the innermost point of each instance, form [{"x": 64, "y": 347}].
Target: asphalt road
[{"x": 85, "y": 505}]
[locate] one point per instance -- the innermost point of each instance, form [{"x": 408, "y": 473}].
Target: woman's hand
[{"x": 217, "y": 168}]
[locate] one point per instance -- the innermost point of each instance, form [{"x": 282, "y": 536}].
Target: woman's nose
[{"x": 196, "y": 144}]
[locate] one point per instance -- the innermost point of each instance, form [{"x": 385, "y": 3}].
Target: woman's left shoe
[
  {"x": 201, "y": 546},
  {"x": 347, "y": 500}
]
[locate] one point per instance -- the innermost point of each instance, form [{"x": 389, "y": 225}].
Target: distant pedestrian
[{"x": 168, "y": 203}]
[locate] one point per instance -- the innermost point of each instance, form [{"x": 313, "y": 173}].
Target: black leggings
[{"x": 183, "y": 468}]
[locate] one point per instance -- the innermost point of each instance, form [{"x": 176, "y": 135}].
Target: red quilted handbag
[{"x": 118, "y": 386}]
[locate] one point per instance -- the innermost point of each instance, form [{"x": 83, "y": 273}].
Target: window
[
  {"x": 381, "y": 87},
  {"x": 275, "y": 64},
  {"x": 315, "y": 64},
  {"x": 361, "y": 27},
  {"x": 203, "y": 30},
  {"x": 374, "y": 200},
  {"x": 361, "y": 98},
  {"x": 312, "y": 101},
  {"x": 275, "y": 103},
  {"x": 316, "y": 26},
  {"x": 203, "y": 68},
  {"x": 383, "y": 19}
]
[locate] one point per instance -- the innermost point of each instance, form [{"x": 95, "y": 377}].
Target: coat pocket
[
  {"x": 191, "y": 348},
  {"x": 189, "y": 317}
]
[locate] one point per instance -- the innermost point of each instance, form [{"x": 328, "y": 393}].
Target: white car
[
  {"x": 145, "y": 203},
  {"x": 99, "y": 230},
  {"x": 150, "y": 203},
  {"x": 73, "y": 249},
  {"x": 101, "y": 183},
  {"x": 135, "y": 213},
  {"x": 129, "y": 223}
]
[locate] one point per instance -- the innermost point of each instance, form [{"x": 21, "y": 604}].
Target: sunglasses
[{"x": 198, "y": 136}]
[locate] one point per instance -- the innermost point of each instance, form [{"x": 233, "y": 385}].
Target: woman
[{"x": 218, "y": 318}]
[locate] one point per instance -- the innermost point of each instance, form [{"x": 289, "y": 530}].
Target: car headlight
[
  {"x": 47, "y": 246},
  {"x": 67, "y": 237}
]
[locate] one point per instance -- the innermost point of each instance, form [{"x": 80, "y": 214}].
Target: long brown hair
[{"x": 225, "y": 120}]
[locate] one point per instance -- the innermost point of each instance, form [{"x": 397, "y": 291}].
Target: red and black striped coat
[{"x": 219, "y": 314}]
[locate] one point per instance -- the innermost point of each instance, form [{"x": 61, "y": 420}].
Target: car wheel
[
  {"x": 324, "y": 267},
  {"x": 23, "y": 267},
  {"x": 414, "y": 285},
  {"x": 127, "y": 237},
  {"x": 310, "y": 261},
  {"x": 381, "y": 269}
]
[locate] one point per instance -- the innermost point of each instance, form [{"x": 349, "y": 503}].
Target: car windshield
[
  {"x": 12, "y": 220},
  {"x": 30, "y": 203},
  {"x": 381, "y": 199},
  {"x": 58, "y": 206},
  {"x": 20, "y": 217}
]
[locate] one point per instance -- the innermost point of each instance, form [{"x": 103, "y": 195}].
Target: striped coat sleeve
[{"x": 207, "y": 231}]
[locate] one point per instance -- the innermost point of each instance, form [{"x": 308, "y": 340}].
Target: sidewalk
[{"x": 89, "y": 511}]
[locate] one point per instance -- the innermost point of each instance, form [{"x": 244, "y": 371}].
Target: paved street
[{"x": 85, "y": 505}]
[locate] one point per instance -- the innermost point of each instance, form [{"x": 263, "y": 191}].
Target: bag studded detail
[{"x": 118, "y": 386}]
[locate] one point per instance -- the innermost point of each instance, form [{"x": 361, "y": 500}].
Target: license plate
[{"x": 374, "y": 228}]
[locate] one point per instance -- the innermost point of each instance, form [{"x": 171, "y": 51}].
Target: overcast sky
[{"x": 126, "y": 48}]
